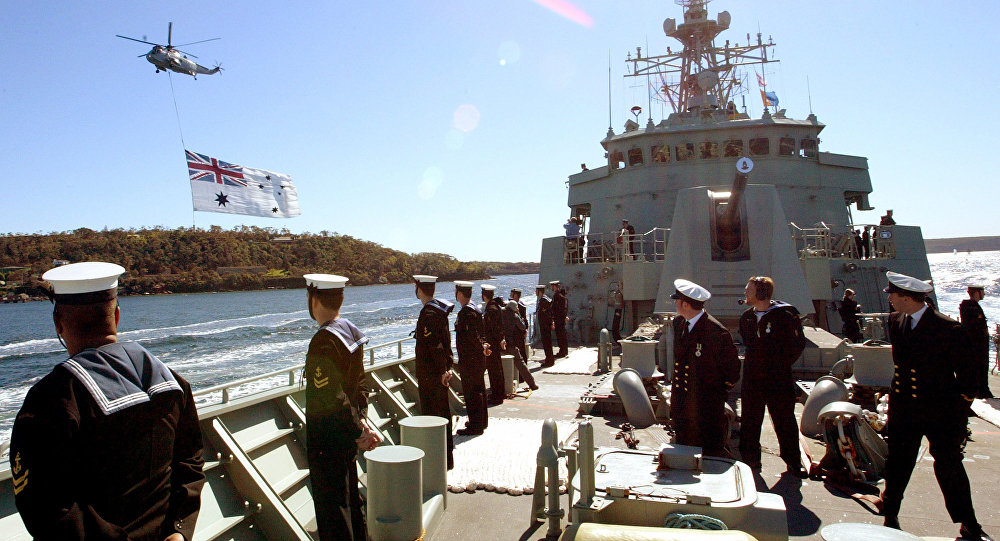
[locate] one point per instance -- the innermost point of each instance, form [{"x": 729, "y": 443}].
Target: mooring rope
[{"x": 693, "y": 522}]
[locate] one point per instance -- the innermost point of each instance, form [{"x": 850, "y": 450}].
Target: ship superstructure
[{"x": 672, "y": 179}]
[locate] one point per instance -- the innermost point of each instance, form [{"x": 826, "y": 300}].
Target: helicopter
[{"x": 168, "y": 57}]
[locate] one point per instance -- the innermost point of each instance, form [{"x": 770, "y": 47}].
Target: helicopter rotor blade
[
  {"x": 139, "y": 40},
  {"x": 170, "y": 33},
  {"x": 185, "y": 53},
  {"x": 193, "y": 42}
]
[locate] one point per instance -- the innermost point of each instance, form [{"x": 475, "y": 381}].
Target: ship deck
[{"x": 811, "y": 504}]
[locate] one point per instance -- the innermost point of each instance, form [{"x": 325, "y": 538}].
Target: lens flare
[
  {"x": 466, "y": 118},
  {"x": 566, "y": 10},
  {"x": 431, "y": 181}
]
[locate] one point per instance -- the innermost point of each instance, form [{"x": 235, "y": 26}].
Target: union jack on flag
[{"x": 203, "y": 168}]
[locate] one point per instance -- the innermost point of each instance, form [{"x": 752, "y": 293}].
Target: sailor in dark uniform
[
  {"x": 929, "y": 396},
  {"x": 707, "y": 366},
  {"x": 434, "y": 357},
  {"x": 493, "y": 334},
  {"x": 336, "y": 405},
  {"x": 522, "y": 346},
  {"x": 559, "y": 311},
  {"x": 772, "y": 333},
  {"x": 107, "y": 445},
  {"x": 543, "y": 310},
  {"x": 471, "y": 359},
  {"x": 974, "y": 321},
  {"x": 848, "y": 311},
  {"x": 514, "y": 331}
]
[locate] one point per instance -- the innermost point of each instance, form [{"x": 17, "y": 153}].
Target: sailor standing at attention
[
  {"x": 543, "y": 310},
  {"x": 433, "y": 354},
  {"x": 559, "y": 311},
  {"x": 336, "y": 405},
  {"x": 471, "y": 359},
  {"x": 107, "y": 445},
  {"x": 934, "y": 384},
  {"x": 522, "y": 309},
  {"x": 974, "y": 321},
  {"x": 707, "y": 366},
  {"x": 493, "y": 335},
  {"x": 772, "y": 333}
]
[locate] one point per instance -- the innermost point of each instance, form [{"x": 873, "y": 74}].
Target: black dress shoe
[
  {"x": 533, "y": 387},
  {"x": 469, "y": 431},
  {"x": 892, "y": 522},
  {"x": 973, "y": 532}
]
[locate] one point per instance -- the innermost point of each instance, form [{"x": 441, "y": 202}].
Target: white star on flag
[{"x": 218, "y": 186}]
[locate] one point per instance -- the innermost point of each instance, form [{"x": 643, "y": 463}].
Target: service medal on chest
[
  {"x": 768, "y": 328},
  {"x": 697, "y": 350}
]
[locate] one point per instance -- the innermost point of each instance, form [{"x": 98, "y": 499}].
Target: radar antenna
[{"x": 700, "y": 75}]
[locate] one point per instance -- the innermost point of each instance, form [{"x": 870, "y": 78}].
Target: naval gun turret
[{"x": 728, "y": 231}]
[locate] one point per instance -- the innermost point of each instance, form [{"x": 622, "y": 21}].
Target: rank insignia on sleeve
[
  {"x": 427, "y": 332},
  {"x": 20, "y": 479},
  {"x": 318, "y": 381}
]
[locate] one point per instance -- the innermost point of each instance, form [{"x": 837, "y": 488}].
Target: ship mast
[{"x": 701, "y": 75}]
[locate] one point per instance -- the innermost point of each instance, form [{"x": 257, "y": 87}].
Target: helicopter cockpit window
[
  {"x": 708, "y": 150},
  {"x": 684, "y": 151},
  {"x": 635, "y": 156},
  {"x": 617, "y": 160},
  {"x": 807, "y": 148},
  {"x": 660, "y": 153},
  {"x": 786, "y": 146},
  {"x": 760, "y": 146},
  {"x": 733, "y": 148}
]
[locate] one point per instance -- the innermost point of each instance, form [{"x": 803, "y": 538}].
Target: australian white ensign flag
[{"x": 218, "y": 186}]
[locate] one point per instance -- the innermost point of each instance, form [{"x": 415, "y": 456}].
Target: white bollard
[
  {"x": 395, "y": 503},
  {"x": 429, "y": 434},
  {"x": 509, "y": 374}
]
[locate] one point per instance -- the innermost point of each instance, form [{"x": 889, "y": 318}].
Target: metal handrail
[
  {"x": 225, "y": 388},
  {"x": 605, "y": 248}
]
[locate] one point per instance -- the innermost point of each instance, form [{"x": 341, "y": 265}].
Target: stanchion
[{"x": 395, "y": 502}]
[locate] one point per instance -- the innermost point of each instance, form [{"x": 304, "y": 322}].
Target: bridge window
[
  {"x": 733, "y": 148},
  {"x": 617, "y": 160},
  {"x": 760, "y": 146},
  {"x": 685, "y": 151},
  {"x": 635, "y": 156},
  {"x": 660, "y": 153},
  {"x": 807, "y": 148},
  {"x": 786, "y": 146},
  {"x": 708, "y": 150}
]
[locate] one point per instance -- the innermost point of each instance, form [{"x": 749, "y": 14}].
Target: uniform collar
[
  {"x": 691, "y": 322},
  {"x": 915, "y": 316}
]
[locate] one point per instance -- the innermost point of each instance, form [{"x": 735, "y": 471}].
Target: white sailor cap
[
  {"x": 425, "y": 278},
  {"x": 903, "y": 282},
  {"x": 515, "y": 290},
  {"x": 84, "y": 283},
  {"x": 540, "y": 287},
  {"x": 690, "y": 290},
  {"x": 976, "y": 285},
  {"x": 326, "y": 281},
  {"x": 488, "y": 287},
  {"x": 554, "y": 283},
  {"x": 463, "y": 283}
]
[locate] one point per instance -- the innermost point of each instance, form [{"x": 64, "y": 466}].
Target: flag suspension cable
[{"x": 180, "y": 130}]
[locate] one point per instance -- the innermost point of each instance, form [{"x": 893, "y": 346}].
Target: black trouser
[
  {"x": 545, "y": 329},
  {"x": 434, "y": 401},
  {"x": 616, "y": 327},
  {"x": 853, "y": 333},
  {"x": 474, "y": 391},
  {"x": 520, "y": 362},
  {"x": 780, "y": 402},
  {"x": 334, "y": 477},
  {"x": 495, "y": 367},
  {"x": 561, "y": 336},
  {"x": 983, "y": 369},
  {"x": 523, "y": 348},
  {"x": 704, "y": 427},
  {"x": 945, "y": 437}
]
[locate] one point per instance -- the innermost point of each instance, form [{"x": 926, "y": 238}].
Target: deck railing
[
  {"x": 292, "y": 375},
  {"x": 822, "y": 241},
  {"x": 611, "y": 247}
]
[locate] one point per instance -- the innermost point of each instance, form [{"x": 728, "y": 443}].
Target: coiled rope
[{"x": 693, "y": 522}]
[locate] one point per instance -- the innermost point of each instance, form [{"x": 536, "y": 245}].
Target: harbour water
[{"x": 219, "y": 337}]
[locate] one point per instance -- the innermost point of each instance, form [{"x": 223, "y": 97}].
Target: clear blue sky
[{"x": 452, "y": 126}]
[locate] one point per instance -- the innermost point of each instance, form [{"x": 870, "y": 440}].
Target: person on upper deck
[
  {"x": 772, "y": 333},
  {"x": 887, "y": 219},
  {"x": 107, "y": 445},
  {"x": 625, "y": 238},
  {"x": 929, "y": 396},
  {"x": 336, "y": 405}
]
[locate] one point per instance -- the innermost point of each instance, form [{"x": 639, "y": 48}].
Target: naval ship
[{"x": 698, "y": 215}]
